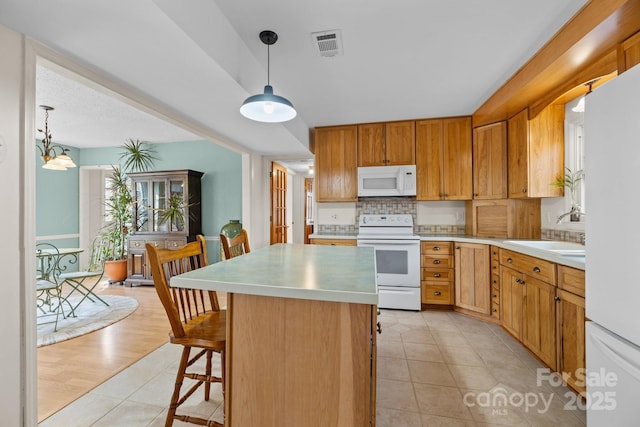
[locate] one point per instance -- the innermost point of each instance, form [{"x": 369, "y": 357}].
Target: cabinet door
[
  {"x": 490, "y": 161},
  {"x": 400, "y": 143},
  {"x": 539, "y": 331},
  {"x": 512, "y": 295},
  {"x": 457, "y": 163},
  {"x": 536, "y": 153},
  {"x": 429, "y": 136},
  {"x": 546, "y": 152},
  {"x": 473, "y": 288},
  {"x": 518, "y": 149},
  {"x": 336, "y": 166},
  {"x": 571, "y": 318},
  {"x": 371, "y": 145}
]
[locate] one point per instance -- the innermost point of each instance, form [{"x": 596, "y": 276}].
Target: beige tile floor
[{"x": 434, "y": 369}]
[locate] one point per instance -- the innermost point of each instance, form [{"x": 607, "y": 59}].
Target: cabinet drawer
[
  {"x": 435, "y": 293},
  {"x": 175, "y": 243},
  {"x": 160, "y": 244},
  {"x": 495, "y": 311},
  {"x": 435, "y": 248},
  {"x": 437, "y": 274},
  {"x": 534, "y": 267},
  {"x": 440, "y": 261},
  {"x": 136, "y": 245},
  {"x": 571, "y": 279},
  {"x": 334, "y": 242}
]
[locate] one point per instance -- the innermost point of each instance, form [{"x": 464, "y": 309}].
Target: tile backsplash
[{"x": 446, "y": 218}]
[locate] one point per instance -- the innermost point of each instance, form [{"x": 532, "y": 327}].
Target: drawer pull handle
[
  {"x": 436, "y": 261},
  {"x": 436, "y": 274},
  {"x": 495, "y": 281},
  {"x": 436, "y": 248},
  {"x": 494, "y": 310},
  {"x": 536, "y": 269},
  {"x": 437, "y": 293},
  {"x": 379, "y": 327},
  {"x": 495, "y": 295},
  {"x": 509, "y": 260},
  {"x": 494, "y": 267},
  {"x": 556, "y": 298}
]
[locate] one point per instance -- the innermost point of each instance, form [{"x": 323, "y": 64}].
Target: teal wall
[
  {"x": 221, "y": 183},
  {"x": 57, "y": 202}
]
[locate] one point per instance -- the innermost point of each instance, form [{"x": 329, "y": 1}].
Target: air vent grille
[{"x": 327, "y": 43}]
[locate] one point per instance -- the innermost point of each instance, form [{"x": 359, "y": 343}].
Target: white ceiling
[{"x": 202, "y": 58}]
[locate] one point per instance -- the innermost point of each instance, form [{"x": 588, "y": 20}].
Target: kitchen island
[{"x": 301, "y": 345}]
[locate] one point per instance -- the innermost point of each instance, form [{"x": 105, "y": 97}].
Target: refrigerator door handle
[{"x": 627, "y": 365}]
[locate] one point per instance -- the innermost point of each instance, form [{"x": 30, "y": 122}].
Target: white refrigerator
[{"x": 612, "y": 180}]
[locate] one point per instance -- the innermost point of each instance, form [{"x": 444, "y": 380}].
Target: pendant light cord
[{"x": 268, "y": 66}]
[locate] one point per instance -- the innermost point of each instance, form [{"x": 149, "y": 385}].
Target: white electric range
[{"x": 397, "y": 258}]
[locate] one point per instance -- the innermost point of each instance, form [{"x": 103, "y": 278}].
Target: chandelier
[{"x": 55, "y": 156}]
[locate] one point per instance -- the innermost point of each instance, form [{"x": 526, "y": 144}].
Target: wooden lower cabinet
[
  {"x": 570, "y": 327},
  {"x": 511, "y": 301},
  {"x": 571, "y": 338},
  {"x": 539, "y": 326},
  {"x": 495, "y": 283},
  {"x": 472, "y": 284},
  {"x": 529, "y": 313},
  {"x": 334, "y": 242},
  {"x": 294, "y": 362},
  {"x": 437, "y": 273}
]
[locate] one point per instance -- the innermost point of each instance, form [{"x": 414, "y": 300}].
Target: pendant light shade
[{"x": 267, "y": 107}]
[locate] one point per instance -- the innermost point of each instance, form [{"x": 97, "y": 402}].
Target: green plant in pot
[
  {"x": 119, "y": 204},
  {"x": 571, "y": 181}
]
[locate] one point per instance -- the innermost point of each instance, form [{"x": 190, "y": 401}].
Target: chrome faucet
[{"x": 564, "y": 215}]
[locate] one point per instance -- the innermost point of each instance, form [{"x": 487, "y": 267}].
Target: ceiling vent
[{"x": 328, "y": 43}]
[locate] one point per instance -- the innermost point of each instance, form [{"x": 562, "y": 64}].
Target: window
[{"x": 575, "y": 153}]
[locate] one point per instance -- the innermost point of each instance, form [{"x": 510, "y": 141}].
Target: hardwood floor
[{"x": 69, "y": 369}]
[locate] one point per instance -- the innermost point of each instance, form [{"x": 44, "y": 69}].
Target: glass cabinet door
[
  {"x": 141, "y": 209},
  {"x": 159, "y": 200},
  {"x": 177, "y": 204}
]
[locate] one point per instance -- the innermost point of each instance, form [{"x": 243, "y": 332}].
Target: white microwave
[{"x": 383, "y": 181}]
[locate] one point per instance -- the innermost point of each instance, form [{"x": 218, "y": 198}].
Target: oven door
[{"x": 397, "y": 261}]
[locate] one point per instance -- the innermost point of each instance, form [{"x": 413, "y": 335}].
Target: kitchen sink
[{"x": 557, "y": 246}]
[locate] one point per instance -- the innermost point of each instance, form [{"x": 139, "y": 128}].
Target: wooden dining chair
[
  {"x": 235, "y": 246},
  {"x": 196, "y": 322}
]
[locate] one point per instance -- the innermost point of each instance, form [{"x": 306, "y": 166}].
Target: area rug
[{"x": 90, "y": 316}]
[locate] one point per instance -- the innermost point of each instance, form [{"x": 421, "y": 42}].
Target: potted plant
[
  {"x": 571, "y": 180},
  {"x": 119, "y": 203},
  {"x": 173, "y": 213}
]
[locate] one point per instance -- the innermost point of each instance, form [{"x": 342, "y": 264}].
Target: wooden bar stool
[
  {"x": 196, "y": 322},
  {"x": 235, "y": 246}
]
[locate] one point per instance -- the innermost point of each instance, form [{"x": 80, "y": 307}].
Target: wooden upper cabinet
[
  {"x": 535, "y": 150},
  {"x": 336, "y": 166},
  {"x": 443, "y": 159},
  {"x": 401, "y": 143},
  {"x": 490, "y": 161},
  {"x": 371, "y": 145},
  {"x": 385, "y": 144}
]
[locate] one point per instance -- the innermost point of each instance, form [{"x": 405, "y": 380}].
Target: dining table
[{"x": 301, "y": 334}]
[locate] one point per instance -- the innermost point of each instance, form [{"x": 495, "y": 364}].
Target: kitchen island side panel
[{"x": 294, "y": 362}]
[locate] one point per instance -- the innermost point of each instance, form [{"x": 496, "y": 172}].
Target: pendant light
[
  {"x": 267, "y": 107},
  {"x": 54, "y": 156}
]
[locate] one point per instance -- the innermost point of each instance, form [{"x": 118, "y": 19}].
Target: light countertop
[
  {"x": 578, "y": 262},
  {"x": 314, "y": 272}
]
